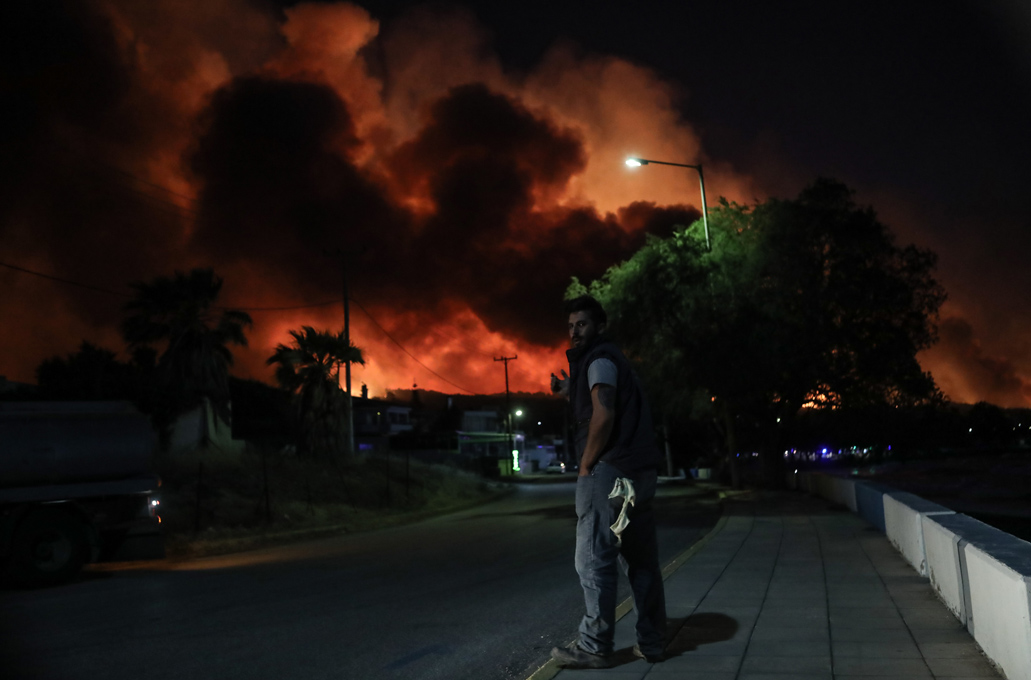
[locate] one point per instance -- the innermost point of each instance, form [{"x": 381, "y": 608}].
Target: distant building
[
  {"x": 378, "y": 417},
  {"x": 375, "y": 420},
  {"x": 483, "y": 437},
  {"x": 480, "y": 421},
  {"x": 471, "y": 438}
]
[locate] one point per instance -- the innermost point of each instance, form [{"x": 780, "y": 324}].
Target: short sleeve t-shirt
[{"x": 601, "y": 371}]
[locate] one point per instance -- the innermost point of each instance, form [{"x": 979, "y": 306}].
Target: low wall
[
  {"x": 982, "y": 574},
  {"x": 870, "y": 503},
  {"x": 998, "y": 568},
  {"x": 843, "y": 491},
  {"x": 903, "y": 515},
  {"x": 943, "y": 544}
]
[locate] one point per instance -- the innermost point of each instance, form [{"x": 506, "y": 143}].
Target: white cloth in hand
[{"x": 623, "y": 488}]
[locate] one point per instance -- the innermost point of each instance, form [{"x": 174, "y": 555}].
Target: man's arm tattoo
[{"x": 607, "y": 396}]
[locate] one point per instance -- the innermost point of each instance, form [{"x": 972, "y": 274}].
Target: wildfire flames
[
  {"x": 169, "y": 135},
  {"x": 152, "y": 137}
]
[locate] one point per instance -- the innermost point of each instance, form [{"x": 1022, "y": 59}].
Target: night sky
[{"x": 469, "y": 157}]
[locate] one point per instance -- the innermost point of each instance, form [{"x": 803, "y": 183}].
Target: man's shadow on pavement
[{"x": 688, "y": 634}]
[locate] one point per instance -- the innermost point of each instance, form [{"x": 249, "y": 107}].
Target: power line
[
  {"x": 108, "y": 291},
  {"x": 118, "y": 179},
  {"x": 61, "y": 280},
  {"x": 160, "y": 204},
  {"x": 125, "y": 173},
  {"x": 99, "y": 289},
  {"x": 454, "y": 339},
  {"x": 413, "y": 358},
  {"x": 124, "y": 177},
  {"x": 282, "y": 309},
  {"x": 182, "y": 211}
]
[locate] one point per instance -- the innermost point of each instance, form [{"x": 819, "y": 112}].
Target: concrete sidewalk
[{"x": 788, "y": 587}]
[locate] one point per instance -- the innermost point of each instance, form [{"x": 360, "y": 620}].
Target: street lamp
[
  {"x": 511, "y": 446},
  {"x": 638, "y": 162},
  {"x": 511, "y": 426}
]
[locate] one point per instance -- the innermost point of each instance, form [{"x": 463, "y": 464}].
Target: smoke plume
[
  {"x": 286, "y": 151},
  {"x": 293, "y": 149}
]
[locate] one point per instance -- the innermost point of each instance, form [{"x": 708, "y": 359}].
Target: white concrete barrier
[
  {"x": 870, "y": 502},
  {"x": 823, "y": 485},
  {"x": 840, "y": 490},
  {"x": 945, "y": 536},
  {"x": 843, "y": 492},
  {"x": 998, "y": 568},
  {"x": 902, "y": 521}
]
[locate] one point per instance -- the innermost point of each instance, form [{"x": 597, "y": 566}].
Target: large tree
[
  {"x": 799, "y": 303},
  {"x": 179, "y": 315},
  {"x": 310, "y": 369}
]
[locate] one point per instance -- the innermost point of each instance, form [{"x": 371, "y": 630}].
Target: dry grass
[{"x": 215, "y": 502}]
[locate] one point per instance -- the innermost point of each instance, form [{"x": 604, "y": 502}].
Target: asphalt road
[{"x": 479, "y": 594}]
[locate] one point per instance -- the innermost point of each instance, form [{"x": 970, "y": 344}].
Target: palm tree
[
  {"x": 310, "y": 369},
  {"x": 179, "y": 313}
]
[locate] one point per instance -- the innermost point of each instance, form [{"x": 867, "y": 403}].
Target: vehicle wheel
[{"x": 49, "y": 547}]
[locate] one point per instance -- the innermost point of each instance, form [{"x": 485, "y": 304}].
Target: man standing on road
[{"x": 619, "y": 459}]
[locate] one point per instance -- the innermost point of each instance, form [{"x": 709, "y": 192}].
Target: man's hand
[{"x": 560, "y": 385}]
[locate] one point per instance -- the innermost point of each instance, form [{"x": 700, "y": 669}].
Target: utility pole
[
  {"x": 508, "y": 405},
  {"x": 347, "y": 340}
]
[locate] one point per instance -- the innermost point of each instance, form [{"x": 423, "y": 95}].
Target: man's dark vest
[{"x": 631, "y": 446}]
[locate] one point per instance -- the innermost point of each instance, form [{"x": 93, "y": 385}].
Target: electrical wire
[
  {"x": 282, "y": 309},
  {"x": 247, "y": 309},
  {"x": 65, "y": 281},
  {"x": 182, "y": 211},
  {"x": 454, "y": 339},
  {"x": 414, "y": 358},
  {"x": 129, "y": 175},
  {"x": 99, "y": 289},
  {"x": 126, "y": 180}
]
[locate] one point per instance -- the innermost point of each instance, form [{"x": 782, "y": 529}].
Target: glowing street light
[
  {"x": 638, "y": 162},
  {"x": 511, "y": 446}
]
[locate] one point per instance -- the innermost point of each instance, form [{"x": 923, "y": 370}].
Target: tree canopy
[
  {"x": 799, "y": 303},
  {"x": 92, "y": 373},
  {"x": 310, "y": 369},
  {"x": 179, "y": 314}
]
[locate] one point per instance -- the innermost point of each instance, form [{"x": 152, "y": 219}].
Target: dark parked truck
[{"x": 76, "y": 486}]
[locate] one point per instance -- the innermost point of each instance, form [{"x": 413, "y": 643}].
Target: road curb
[{"x": 550, "y": 669}]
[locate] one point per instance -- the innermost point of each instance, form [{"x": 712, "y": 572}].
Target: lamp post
[
  {"x": 638, "y": 162},
  {"x": 511, "y": 442}
]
